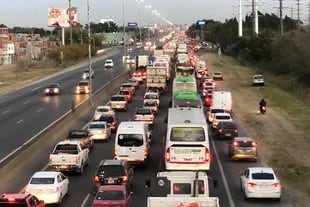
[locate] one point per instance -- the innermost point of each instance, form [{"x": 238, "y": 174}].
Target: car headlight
[
  {"x": 47, "y": 90},
  {"x": 56, "y": 90}
]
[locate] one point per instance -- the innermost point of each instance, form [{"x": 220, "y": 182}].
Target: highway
[{"x": 24, "y": 119}]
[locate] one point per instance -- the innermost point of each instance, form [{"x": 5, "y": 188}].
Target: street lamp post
[
  {"x": 124, "y": 47},
  {"x": 89, "y": 55},
  {"x": 70, "y": 23},
  {"x": 139, "y": 19}
]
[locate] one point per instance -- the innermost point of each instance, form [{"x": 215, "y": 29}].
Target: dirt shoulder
[{"x": 282, "y": 135}]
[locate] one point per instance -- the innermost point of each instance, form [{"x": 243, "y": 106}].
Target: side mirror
[{"x": 147, "y": 183}]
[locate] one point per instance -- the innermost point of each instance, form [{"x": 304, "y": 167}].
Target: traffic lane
[{"x": 232, "y": 171}]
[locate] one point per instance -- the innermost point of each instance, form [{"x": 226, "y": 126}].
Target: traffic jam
[{"x": 199, "y": 110}]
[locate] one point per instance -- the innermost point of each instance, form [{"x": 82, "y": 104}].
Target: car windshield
[
  {"x": 44, "y": 181},
  {"x": 187, "y": 134},
  {"x": 53, "y": 85},
  {"x": 83, "y": 83},
  {"x": 143, "y": 111},
  {"x": 103, "y": 110},
  {"x": 78, "y": 134},
  {"x": 118, "y": 98},
  {"x": 97, "y": 126},
  {"x": 111, "y": 170},
  {"x": 148, "y": 103},
  {"x": 110, "y": 195},
  {"x": 124, "y": 93},
  {"x": 130, "y": 140},
  {"x": 262, "y": 176}
]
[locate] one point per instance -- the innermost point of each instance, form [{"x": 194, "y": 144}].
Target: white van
[
  {"x": 222, "y": 100},
  {"x": 187, "y": 140},
  {"x": 132, "y": 142}
]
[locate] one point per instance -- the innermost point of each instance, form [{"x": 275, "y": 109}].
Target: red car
[
  {"x": 112, "y": 196},
  {"x": 208, "y": 100},
  {"x": 20, "y": 199}
]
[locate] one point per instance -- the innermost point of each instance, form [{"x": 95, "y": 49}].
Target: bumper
[
  {"x": 262, "y": 194},
  {"x": 243, "y": 156},
  {"x": 100, "y": 137},
  {"x": 133, "y": 160},
  {"x": 48, "y": 198},
  {"x": 66, "y": 168},
  {"x": 189, "y": 166}
]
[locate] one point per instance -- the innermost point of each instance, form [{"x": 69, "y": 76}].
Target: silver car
[
  {"x": 99, "y": 130},
  {"x": 119, "y": 102}
]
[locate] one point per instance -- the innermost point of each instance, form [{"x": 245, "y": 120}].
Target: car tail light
[
  {"x": 11, "y": 199},
  {"x": 146, "y": 152},
  {"x": 207, "y": 158},
  {"x": 236, "y": 130},
  {"x": 144, "y": 73},
  {"x": 276, "y": 185},
  {"x": 254, "y": 144},
  {"x": 125, "y": 179},
  {"x": 220, "y": 130},
  {"x": 115, "y": 152},
  {"x": 152, "y": 117},
  {"x": 235, "y": 144},
  {"x": 96, "y": 179},
  {"x": 78, "y": 159},
  {"x": 251, "y": 185},
  {"x": 167, "y": 156}
]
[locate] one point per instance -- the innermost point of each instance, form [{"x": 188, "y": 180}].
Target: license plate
[
  {"x": 227, "y": 135},
  {"x": 63, "y": 166},
  {"x": 110, "y": 181}
]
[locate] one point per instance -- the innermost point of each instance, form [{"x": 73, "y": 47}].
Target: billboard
[{"x": 62, "y": 17}]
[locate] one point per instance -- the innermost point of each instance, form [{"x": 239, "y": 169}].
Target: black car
[
  {"x": 111, "y": 121},
  {"x": 226, "y": 130},
  {"x": 53, "y": 89},
  {"x": 113, "y": 172},
  {"x": 81, "y": 135}
]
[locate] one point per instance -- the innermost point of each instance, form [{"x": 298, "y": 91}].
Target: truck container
[
  {"x": 183, "y": 202},
  {"x": 156, "y": 77}
]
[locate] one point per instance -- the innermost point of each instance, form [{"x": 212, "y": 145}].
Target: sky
[{"x": 33, "y": 13}]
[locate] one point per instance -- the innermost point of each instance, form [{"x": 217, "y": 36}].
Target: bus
[
  {"x": 187, "y": 140},
  {"x": 187, "y": 99},
  {"x": 184, "y": 71},
  {"x": 184, "y": 84}
]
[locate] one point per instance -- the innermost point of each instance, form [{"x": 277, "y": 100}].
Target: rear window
[
  {"x": 228, "y": 124},
  {"x": 187, "y": 134},
  {"x": 110, "y": 195},
  {"x": 143, "y": 111},
  {"x": 124, "y": 93},
  {"x": 97, "y": 126},
  {"x": 151, "y": 96},
  {"x": 45, "y": 181},
  {"x": 214, "y": 111},
  {"x": 130, "y": 140},
  {"x": 83, "y": 84},
  {"x": 10, "y": 204},
  {"x": 103, "y": 110},
  {"x": 185, "y": 188},
  {"x": 66, "y": 148},
  {"x": 262, "y": 176},
  {"x": 78, "y": 134},
  {"x": 108, "y": 119},
  {"x": 222, "y": 117},
  {"x": 111, "y": 170},
  {"x": 118, "y": 98},
  {"x": 150, "y": 104},
  {"x": 245, "y": 144}
]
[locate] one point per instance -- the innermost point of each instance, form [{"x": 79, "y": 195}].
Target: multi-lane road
[{"x": 27, "y": 112}]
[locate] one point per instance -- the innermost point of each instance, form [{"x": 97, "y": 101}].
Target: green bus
[{"x": 184, "y": 84}]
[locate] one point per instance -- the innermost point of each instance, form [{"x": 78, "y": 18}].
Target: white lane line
[
  {"x": 228, "y": 192},
  {"x": 7, "y": 111},
  {"x": 19, "y": 121},
  {"x": 85, "y": 200},
  {"x": 40, "y": 109},
  {"x": 34, "y": 89},
  {"x": 26, "y": 102}
]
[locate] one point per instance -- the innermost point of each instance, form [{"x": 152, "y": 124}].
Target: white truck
[
  {"x": 142, "y": 61},
  {"x": 69, "y": 155},
  {"x": 183, "y": 202},
  {"x": 156, "y": 77}
]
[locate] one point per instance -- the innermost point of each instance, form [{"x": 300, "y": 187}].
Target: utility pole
[
  {"x": 292, "y": 16},
  {"x": 309, "y": 14},
  {"x": 124, "y": 28},
  {"x": 70, "y": 23},
  {"x": 255, "y": 17},
  {"x": 298, "y": 14},
  {"x": 89, "y": 56},
  {"x": 281, "y": 17},
  {"x": 240, "y": 19}
]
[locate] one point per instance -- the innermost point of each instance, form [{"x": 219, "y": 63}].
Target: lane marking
[
  {"x": 228, "y": 192},
  {"x": 7, "y": 111},
  {"x": 26, "y": 102},
  {"x": 85, "y": 200},
  {"x": 34, "y": 89},
  {"x": 19, "y": 121},
  {"x": 40, "y": 109}
]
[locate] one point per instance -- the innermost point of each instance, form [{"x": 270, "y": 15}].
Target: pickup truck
[
  {"x": 68, "y": 155},
  {"x": 183, "y": 202},
  {"x": 82, "y": 136}
]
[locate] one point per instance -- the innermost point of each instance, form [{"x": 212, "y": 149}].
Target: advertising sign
[
  {"x": 62, "y": 17},
  {"x": 132, "y": 24}
]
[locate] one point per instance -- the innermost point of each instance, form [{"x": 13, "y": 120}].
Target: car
[
  {"x": 153, "y": 89},
  {"x": 53, "y": 89},
  {"x": 152, "y": 96},
  {"x": 204, "y": 79},
  {"x": 113, "y": 172},
  {"x": 112, "y": 195},
  {"x": 128, "y": 86},
  {"x": 218, "y": 75},
  {"x": 151, "y": 104},
  {"x": 220, "y": 117},
  {"x": 130, "y": 60},
  {"x": 145, "y": 115},
  {"x": 82, "y": 87},
  {"x": 207, "y": 87},
  {"x": 83, "y": 136},
  {"x": 208, "y": 100},
  {"x": 99, "y": 130},
  {"x": 211, "y": 113},
  {"x": 88, "y": 73},
  {"x": 134, "y": 82},
  {"x": 127, "y": 93},
  {"x": 49, "y": 186},
  {"x": 119, "y": 102},
  {"x": 111, "y": 121},
  {"x": 102, "y": 110},
  {"x": 242, "y": 148},
  {"x": 260, "y": 182},
  {"x": 226, "y": 130},
  {"x": 138, "y": 76},
  {"x": 258, "y": 80},
  {"x": 108, "y": 64},
  {"x": 20, "y": 200}
]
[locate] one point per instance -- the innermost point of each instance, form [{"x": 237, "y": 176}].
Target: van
[
  {"x": 222, "y": 100},
  {"x": 132, "y": 142},
  {"x": 187, "y": 140}
]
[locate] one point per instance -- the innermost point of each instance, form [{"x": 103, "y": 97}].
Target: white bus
[{"x": 187, "y": 140}]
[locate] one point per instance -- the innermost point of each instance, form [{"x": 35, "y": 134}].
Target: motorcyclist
[{"x": 262, "y": 104}]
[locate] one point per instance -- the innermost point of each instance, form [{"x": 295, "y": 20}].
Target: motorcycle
[{"x": 263, "y": 109}]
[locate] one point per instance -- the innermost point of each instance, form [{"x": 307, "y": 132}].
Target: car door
[
  {"x": 244, "y": 177},
  {"x": 64, "y": 182}
]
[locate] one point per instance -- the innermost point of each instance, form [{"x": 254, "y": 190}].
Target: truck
[
  {"x": 69, "y": 155},
  {"x": 156, "y": 77},
  {"x": 142, "y": 61},
  {"x": 158, "y": 52},
  {"x": 183, "y": 202}
]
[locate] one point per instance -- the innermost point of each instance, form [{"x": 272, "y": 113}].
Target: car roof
[
  {"x": 261, "y": 170},
  {"x": 113, "y": 162},
  {"x": 243, "y": 139},
  {"x": 45, "y": 174},
  {"x": 222, "y": 114},
  {"x": 69, "y": 141},
  {"x": 97, "y": 122},
  {"x": 104, "y": 107},
  {"x": 118, "y": 95}
]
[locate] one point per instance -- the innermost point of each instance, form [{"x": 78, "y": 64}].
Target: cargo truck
[{"x": 156, "y": 77}]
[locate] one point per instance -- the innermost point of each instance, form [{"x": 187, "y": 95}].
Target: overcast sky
[{"x": 33, "y": 13}]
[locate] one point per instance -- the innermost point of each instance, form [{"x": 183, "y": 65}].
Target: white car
[
  {"x": 260, "y": 182},
  {"x": 49, "y": 186},
  {"x": 258, "y": 80},
  {"x": 152, "y": 96},
  {"x": 220, "y": 117},
  {"x": 108, "y": 63},
  {"x": 100, "y": 110},
  {"x": 88, "y": 73},
  {"x": 99, "y": 130}
]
